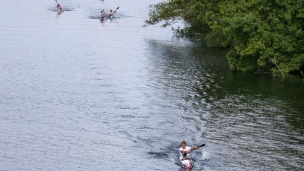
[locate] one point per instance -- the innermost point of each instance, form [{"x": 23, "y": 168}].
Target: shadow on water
[{"x": 158, "y": 155}]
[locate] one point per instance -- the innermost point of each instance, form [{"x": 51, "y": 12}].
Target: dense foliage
[{"x": 260, "y": 35}]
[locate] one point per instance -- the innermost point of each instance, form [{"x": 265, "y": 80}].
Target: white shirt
[{"x": 181, "y": 154}]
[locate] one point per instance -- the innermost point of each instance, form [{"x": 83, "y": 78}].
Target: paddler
[
  {"x": 59, "y": 7},
  {"x": 112, "y": 14},
  {"x": 185, "y": 150},
  {"x": 102, "y": 14}
]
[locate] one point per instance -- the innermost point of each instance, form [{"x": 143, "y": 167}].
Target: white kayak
[{"x": 187, "y": 165}]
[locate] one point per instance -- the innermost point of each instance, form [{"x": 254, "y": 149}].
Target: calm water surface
[{"x": 81, "y": 94}]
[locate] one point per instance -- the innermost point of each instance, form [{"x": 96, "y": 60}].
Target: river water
[{"x": 81, "y": 94}]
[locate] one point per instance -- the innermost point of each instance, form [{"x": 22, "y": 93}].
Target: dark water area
[{"x": 78, "y": 93}]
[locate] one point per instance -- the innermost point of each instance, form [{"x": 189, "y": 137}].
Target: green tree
[
  {"x": 261, "y": 35},
  {"x": 172, "y": 11}
]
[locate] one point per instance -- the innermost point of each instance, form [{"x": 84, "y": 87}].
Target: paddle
[
  {"x": 185, "y": 154},
  {"x": 197, "y": 147},
  {"x": 201, "y": 145},
  {"x": 193, "y": 148},
  {"x": 116, "y": 9},
  {"x": 56, "y": 2}
]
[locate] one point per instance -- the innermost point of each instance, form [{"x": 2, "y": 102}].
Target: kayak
[{"x": 187, "y": 164}]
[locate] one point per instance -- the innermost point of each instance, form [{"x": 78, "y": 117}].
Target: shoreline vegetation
[{"x": 260, "y": 36}]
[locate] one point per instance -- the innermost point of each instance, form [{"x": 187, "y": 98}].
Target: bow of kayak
[{"x": 187, "y": 165}]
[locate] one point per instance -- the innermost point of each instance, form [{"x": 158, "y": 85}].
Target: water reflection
[{"x": 246, "y": 117}]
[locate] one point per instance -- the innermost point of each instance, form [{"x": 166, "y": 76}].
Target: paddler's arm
[
  {"x": 184, "y": 151},
  {"x": 194, "y": 148}
]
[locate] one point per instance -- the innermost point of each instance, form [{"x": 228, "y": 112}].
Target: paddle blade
[{"x": 201, "y": 145}]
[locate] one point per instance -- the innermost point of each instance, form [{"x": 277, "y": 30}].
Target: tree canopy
[{"x": 260, "y": 35}]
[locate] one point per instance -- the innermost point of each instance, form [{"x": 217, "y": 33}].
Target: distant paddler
[
  {"x": 111, "y": 16},
  {"x": 102, "y": 15},
  {"x": 59, "y": 9}
]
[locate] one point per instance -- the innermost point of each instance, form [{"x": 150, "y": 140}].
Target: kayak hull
[{"x": 187, "y": 165}]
